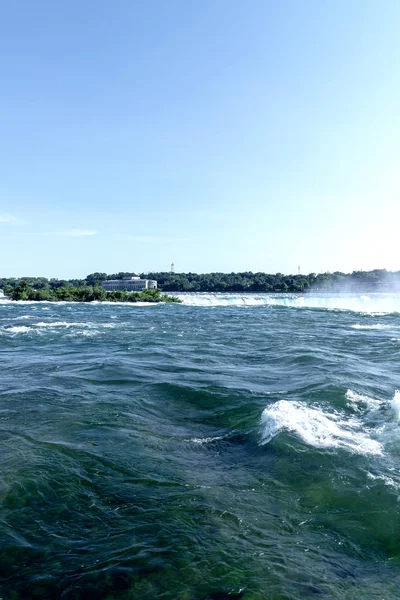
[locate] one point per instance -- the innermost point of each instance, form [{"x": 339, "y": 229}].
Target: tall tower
[
  {"x": 172, "y": 268},
  {"x": 299, "y": 269}
]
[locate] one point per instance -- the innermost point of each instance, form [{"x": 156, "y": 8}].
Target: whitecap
[
  {"x": 395, "y": 403},
  {"x": 84, "y": 333},
  {"x": 316, "y": 428},
  {"x": 130, "y": 304},
  {"x": 21, "y": 318},
  {"x": 386, "y": 479},
  {"x": 374, "y": 326},
  {"x": 61, "y": 324},
  {"x": 17, "y": 329},
  {"x": 205, "y": 440},
  {"x": 69, "y": 324},
  {"x": 356, "y": 399}
]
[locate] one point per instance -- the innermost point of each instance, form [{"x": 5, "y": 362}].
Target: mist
[{"x": 357, "y": 282}]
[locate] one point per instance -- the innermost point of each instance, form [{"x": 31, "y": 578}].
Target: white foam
[
  {"x": 387, "y": 480},
  {"x": 356, "y": 399},
  {"x": 69, "y": 324},
  {"x": 22, "y": 302},
  {"x": 17, "y": 329},
  {"x": 206, "y": 440},
  {"x": 376, "y": 304},
  {"x": 62, "y": 324},
  {"x": 374, "y": 326},
  {"x": 84, "y": 333},
  {"x": 316, "y": 428},
  {"x": 395, "y": 403},
  {"x": 42, "y": 326},
  {"x": 64, "y": 302},
  {"x": 129, "y": 304},
  {"x": 21, "y": 318}
]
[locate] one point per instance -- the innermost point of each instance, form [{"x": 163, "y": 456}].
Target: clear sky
[{"x": 222, "y": 135}]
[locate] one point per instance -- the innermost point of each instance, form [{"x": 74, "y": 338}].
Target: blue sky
[{"x": 221, "y": 135}]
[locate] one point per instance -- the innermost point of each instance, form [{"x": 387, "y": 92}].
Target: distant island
[
  {"x": 90, "y": 289},
  {"x": 48, "y": 291}
]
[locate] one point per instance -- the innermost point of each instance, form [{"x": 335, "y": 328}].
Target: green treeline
[
  {"x": 81, "y": 293},
  {"x": 264, "y": 282},
  {"x": 89, "y": 289}
]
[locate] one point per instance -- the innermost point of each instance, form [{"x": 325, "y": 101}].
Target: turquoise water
[{"x": 231, "y": 447}]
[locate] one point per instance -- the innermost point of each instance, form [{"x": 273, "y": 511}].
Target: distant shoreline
[{"x": 360, "y": 282}]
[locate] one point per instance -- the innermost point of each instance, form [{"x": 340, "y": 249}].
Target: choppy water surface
[{"x": 230, "y": 447}]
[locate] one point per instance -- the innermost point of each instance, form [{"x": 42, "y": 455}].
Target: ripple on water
[{"x": 242, "y": 452}]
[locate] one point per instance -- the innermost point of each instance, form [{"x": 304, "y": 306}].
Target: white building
[{"x": 129, "y": 284}]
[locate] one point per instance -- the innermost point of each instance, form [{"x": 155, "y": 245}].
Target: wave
[
  {"x": 84, "y": 333},
  {"x": 395, "y": 403},
  {"x": 206, "y": 440},
  {"x": 336, "y": 429},
  {"x": 389, "y": 481},
  {"x": 24, "y": 302},
  {"x": 21, "y": 318},
  {"x": 374, "y": 304},
  {"x": 361, "y": 400},
  {"x": 61, "y": 302},
  {"x": 375, "y": 326},
  {"x": 16, "y": 329},
  {"x": 316, "y": 428},
  {"x": 49, "y": 325},
  {"x": 66, "y": 324}
]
